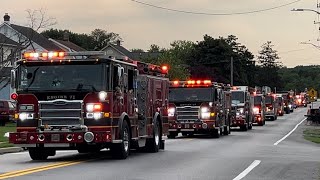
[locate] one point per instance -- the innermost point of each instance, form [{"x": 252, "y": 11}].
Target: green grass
[
  {"x": 312, "y": 135},
  {"x": 4, "y": 141}
]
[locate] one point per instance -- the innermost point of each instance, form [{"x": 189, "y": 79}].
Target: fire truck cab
[
  {"x": 87, "y": 101},
  {"x": 241, "y": 100},
  {"x": 198, "y": 107},
  {"x": 259, "y": 107}
]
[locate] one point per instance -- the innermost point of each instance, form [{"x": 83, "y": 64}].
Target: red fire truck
[
  {"x": 259, "y": 107},
  {"x": 199, "y": 107},
  {"x": 243, "y": 103},
  {"x": 87, "y": 101}
]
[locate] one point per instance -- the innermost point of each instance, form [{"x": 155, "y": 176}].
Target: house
[
  {"x": 66, "y": 44},
  {"x": 25, "y": 38},
  {"x": 119, "y": 52},
  {"x": 14, "y": 40}
]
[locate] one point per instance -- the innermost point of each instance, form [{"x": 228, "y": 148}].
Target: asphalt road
[{"x": 250, "y": 155}]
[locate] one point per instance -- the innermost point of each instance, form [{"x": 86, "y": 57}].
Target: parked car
[{"x": 7, "y": 110}]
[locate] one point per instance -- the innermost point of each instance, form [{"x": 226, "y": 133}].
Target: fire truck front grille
[
  {"x": 188, "y": 113},
  {"x": 60, "y": 112}
]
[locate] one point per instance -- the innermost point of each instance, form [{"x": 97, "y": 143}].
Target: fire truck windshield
[
  {"x": 60, "y": 78},
  {"x": 191, "y": 95},
  {"x": 237, "y": 97},
  {"x": 257, "y": 100},
  {"x": 269, "y": 99}
]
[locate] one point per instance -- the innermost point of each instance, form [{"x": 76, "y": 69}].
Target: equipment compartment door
[{"x": 142, "y": 102}]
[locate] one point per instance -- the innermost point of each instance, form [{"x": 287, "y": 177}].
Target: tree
[
  {"x": 211, "y": 58},
  {"x": 101, "y": 38},
  {"x": 175, "y": 57},
  {"x": 137, "y": 50},
  {"x": 155, "y": 49},
  {"x": 96, "y": 40},
  {"x": 268, "y": 63},
  {"x": 37, "y": 20}
]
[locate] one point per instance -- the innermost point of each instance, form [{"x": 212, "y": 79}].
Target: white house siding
[
  {"x": 5, "y": 92},
  {"x": 17, "y": 37}
]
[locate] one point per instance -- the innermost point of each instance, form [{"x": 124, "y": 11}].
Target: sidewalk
[{"x": 10, "y": 150}]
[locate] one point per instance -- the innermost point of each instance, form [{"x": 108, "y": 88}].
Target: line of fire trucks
[{"x": 88, "y": 101}]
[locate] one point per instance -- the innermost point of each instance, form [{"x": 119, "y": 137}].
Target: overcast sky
[{"x": 140, "y": 26}]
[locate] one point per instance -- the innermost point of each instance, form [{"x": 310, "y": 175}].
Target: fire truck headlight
[
  {"x": 24, "y": 116},
  {"x": 103, "y": 95},
  {"x": 171, "y": 111},
  {"x": 255, "y": 110},
  {"x": 205, "y": 115},
  {"x": 97, "y": 116}
]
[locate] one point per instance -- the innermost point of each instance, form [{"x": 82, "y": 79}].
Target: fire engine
[
  {"x": 87, "y": 101},
  {"x": 259, "y": 106},
  {"x": 243, "y": 103},
  {"x": 199, "y": 107},
  {"x": 271, "y": 105},
  {"x": 280, "y": 104}
]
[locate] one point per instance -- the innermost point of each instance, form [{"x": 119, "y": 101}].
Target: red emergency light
[
  {"x": 43, "y": 55},
  {"x": 192, "y": 83}
]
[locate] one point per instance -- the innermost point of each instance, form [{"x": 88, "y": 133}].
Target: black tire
[
  {"x": 184, "y": 134},
  {"x": 172, "y": 135},
  {"x": 226, "y": 130},
  {"x": 38, "y": 153},
  {"x": 122, "y": 150},
  {"x": 244, "y": 127},
  {"x": 215, "y": 133},
  {"x": 153, "y": 144},
  {"x": 260, "y": 123}
]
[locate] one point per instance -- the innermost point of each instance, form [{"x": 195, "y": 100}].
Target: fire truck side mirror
[{"x": 13, "y": 79}]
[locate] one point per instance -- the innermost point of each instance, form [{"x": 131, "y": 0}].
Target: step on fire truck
[
  {"x": 259, "y": 106},
  {"x": 87, "y": 101},
  {"x": 242, "y": 102},
  {"x": 199, "y": 107},
  {"x": 271, "y": 104}
]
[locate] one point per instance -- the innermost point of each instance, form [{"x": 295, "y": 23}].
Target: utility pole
[{"x": 231, "y": 71}]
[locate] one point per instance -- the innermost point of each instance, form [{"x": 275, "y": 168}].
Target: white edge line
[
  {"x": 247, "y": 171},
  {"x": 276, "y": 143}
]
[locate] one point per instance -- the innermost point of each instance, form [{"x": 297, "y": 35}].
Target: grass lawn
[
  {"x": 10, "y": 127},
  {"x": 312, "y": 135}
]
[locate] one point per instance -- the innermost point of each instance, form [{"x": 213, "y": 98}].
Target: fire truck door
[{"x": 118, "y": 88}]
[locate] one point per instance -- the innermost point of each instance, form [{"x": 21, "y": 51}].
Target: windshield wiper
[{"x": 80, "y": 87}]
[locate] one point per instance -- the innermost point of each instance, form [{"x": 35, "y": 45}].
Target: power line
[{"x": 213, "y": 14}]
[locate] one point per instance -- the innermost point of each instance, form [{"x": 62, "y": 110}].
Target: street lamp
[{"x": 306, "y": 10}]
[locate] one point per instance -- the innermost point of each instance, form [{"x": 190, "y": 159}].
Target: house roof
[
  {"x": 133, "y": 55},
  {"x": 36, "y": 37},
  {"x": 5, "y": 40},
  {"x": 70, "y": 45}
]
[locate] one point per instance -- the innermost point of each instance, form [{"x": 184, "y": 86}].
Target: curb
[{"x": 10, "y": 150}]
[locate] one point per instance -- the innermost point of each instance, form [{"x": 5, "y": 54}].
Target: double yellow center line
[{"x": 38, "y": 169}]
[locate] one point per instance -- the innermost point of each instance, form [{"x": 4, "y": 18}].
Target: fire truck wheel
[
  {"x": 215, "y": 133},
  {"x": 38, "y": 153},
  {"x": 172, "y": 135},
  {"x": 226, "y": 130},
  {"x": 153, "y": 144},
  {"x": 244, "y": 127},
  {"x": 122, "y": 150}
]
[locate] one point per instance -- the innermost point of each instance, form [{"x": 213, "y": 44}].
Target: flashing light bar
[
  {"x": 191, "y": 83},
  {"x": 59, "y": 54}
]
